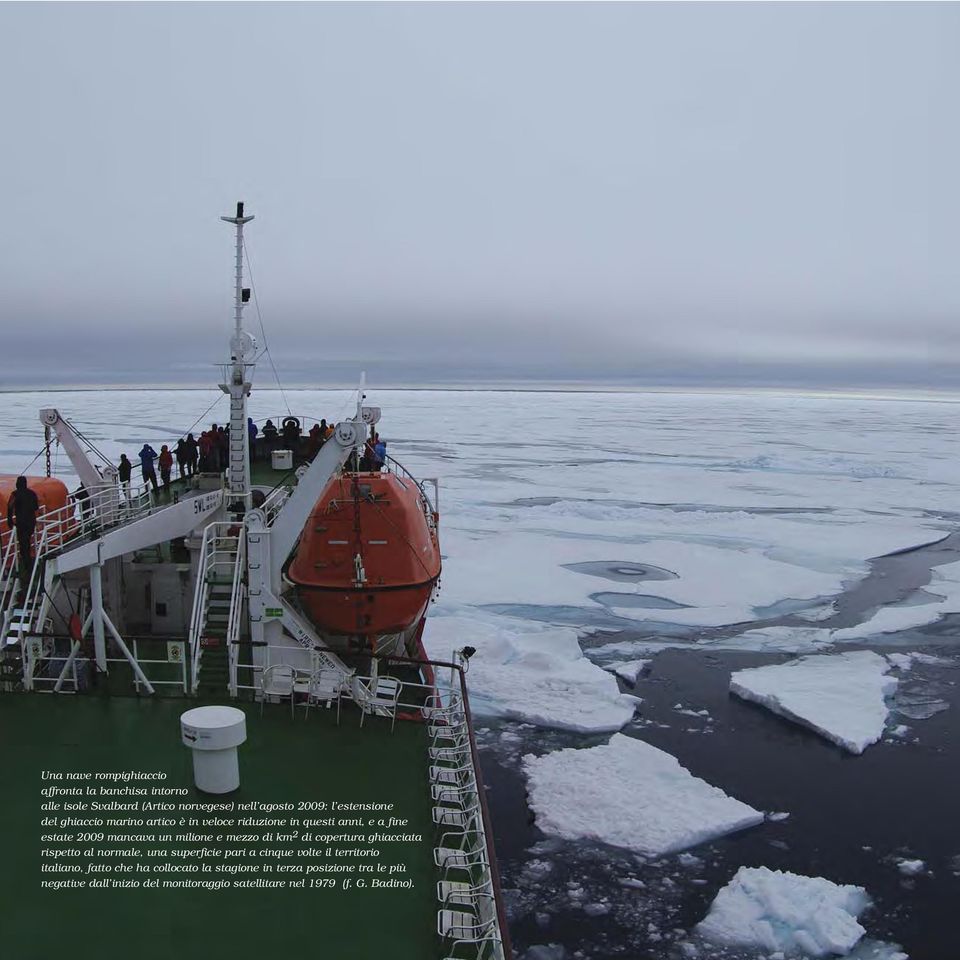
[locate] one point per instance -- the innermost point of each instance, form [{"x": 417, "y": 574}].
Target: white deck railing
[
  {"x": 235, "y": 622},
  {"x": 219, "y": 557}
]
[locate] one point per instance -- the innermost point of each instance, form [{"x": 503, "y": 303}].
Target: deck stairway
[
  {"x": 217, "y": 606},
  {"x": 24, "y": 608},
  {"x": 9, "y": 583},
  {"x": 11, "y": 655}
]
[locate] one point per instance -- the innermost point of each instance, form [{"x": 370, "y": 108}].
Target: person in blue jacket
[{"x": 147, "y": 456}]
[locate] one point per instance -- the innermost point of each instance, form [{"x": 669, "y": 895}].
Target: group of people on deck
[
  {"x": 289, "y": 437},
  {"x": 374, "y": 454},
  {"x": 210, "y": 452}
]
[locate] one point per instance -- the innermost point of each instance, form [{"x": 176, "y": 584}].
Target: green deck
[{"x": 283, "y": 760}]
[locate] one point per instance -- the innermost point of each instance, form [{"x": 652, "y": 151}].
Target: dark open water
[{"x": 851, "y": 817}]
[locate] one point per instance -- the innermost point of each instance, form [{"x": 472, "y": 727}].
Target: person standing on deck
[
  {"x": 315, "y": 442},
  {"x": 205, "y": 445},
  {"x": 82, "y": 497},
  {"x": 165, "y": 461},
  {"x": 213, "y": 454},
  {"x": 269, "y": 437},
  {"x": 291, "y": 435},
  {"x": 223, "y": 447},
  {"x": 193, "y": 455},
  {"x": 366, "y": 461},
  {"x": 147, "y": 456},
  {"x": 379, "y": 453},
  {"x": 180, "y": 452},
  {"x": 252, "y": 431},
  {"x": 22, "y": 511},
  {"x": 124, "y": 469}
]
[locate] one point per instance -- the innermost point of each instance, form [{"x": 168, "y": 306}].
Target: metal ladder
[
  {"x": 214, "y": 602},
  {"x": 9, "y": 581},
  {"x": 26, "y": 615}
]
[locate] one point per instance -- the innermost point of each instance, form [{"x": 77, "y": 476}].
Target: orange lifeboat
[
  {"x": 368, "y": 557},
  {"x": 51, "y": 493}
]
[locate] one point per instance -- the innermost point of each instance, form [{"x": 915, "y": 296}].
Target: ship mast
[{"x": 236, "y": 377}]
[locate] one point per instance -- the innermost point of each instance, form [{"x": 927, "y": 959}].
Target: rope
[
  {"x": 87, "y": 441},
  {"x": 396, "y": 529},
  {"x": 263, "y": 332},
  {"x": 413, "y": 549},
  {"x": 39, "y": 454},
  {"x": 202, "y": 415}
]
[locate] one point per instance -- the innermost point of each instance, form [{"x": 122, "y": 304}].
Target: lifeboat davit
[{"x": 369, "y": 556}]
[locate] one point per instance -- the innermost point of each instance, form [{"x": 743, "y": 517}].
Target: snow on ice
[
  {"x": 627, "y": 793},
  {"x": 775, "y": 639},
  {"x": 629, "y": 670},
  {"x": 533, "y": 672},
  {"x": 840, "y": 696},
  {"x": 776, "y": 911},
  {"x": 944, "y": 584}
]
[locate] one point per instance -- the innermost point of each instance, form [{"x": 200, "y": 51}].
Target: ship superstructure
[{"x": 298, "y": 577}]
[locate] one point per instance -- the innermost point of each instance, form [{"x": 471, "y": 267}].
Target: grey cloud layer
[{"x": 714, "y": 191}]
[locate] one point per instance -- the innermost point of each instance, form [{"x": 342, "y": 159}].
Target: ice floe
[
  {"x": 905, "y": 661},
  {"x": 531, "y": 671},
  {"x": 840, "y": 696},
  {"x": 910, "y": 868},
  {"x": 775, "y": 639},
  {"x": 944, "y": 585},
  {"x": 784, "y": 912},
  {"x": 628, "y": 670},
  {"x": 627, "y": 793}
]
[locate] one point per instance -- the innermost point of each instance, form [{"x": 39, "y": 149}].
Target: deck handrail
[
  {"x": 99, "y": 510},
  {"x": 400, "y": 470},
  {"x": 235, "y": 621},
  {"x": 10, "y": 576},
  {"x": 200, "y": 593},
  {"x": 274, "y": 502}
]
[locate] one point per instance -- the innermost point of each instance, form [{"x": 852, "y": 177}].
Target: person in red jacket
[
  {"x": 165, "y": 462},
  {"x": 206, "y": 446}
]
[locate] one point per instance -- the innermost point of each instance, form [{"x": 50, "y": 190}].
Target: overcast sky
[{"x": 638, "y": 193}]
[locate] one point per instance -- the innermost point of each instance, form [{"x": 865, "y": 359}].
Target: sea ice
[
  {"x": 910, "y": 868},
  {"x": 900, "y": 661},
  {"x": 776, "y": 639},
  {"x": 531, "y": 671},
  {"x": 840, "y": 696},
  {"x": 776, "y": 911},
  {"x": 905, "y": 661},
  {"x": 944, "y": 584},
  {"x": 629, "y": 670},
  {"x": 815, "y": 614},
  {"x": 629, "y": 794}
]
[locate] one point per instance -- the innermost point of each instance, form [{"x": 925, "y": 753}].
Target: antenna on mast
[
  {"x": 237, "y": 375},
  {"x": 242, "y": 294}
]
